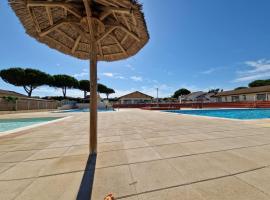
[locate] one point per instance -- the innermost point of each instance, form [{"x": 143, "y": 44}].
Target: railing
[
  {"x": 27, "y": 104},
  {"x": 153, "y": 106}
]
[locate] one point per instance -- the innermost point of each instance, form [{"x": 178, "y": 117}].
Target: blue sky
[{"x": 193, "y": 44}]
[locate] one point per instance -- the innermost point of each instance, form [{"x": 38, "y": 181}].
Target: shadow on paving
[{"x": 85, "y": 191}]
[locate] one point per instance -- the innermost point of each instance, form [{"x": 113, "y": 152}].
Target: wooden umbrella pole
[
  {"x": 93, "y": 103},
  {"x": 93, "y": 79}
]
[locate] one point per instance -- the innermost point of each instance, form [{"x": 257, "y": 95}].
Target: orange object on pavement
[{"x": 109, "y": 197}]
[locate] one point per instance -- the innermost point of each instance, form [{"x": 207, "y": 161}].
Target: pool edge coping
[{"x": 16, "y": 130}]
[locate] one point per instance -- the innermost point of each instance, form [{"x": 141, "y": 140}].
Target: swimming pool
[
  {"x": 244, "y": 114},
  {"x": 11, "y": 124}
]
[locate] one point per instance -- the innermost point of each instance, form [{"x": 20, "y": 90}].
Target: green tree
[
  {"x": 182, "y": 91},
  {"x": 64, "y": 82},
  {"x": 109, "y": 91},
  {"x": 102, "y": 88},
  {"x": 239, "y": 88},
  {"x": 214, "y": 90},
  {"x": 84, "y": 85},
  {"x": 27, "y": 78},
  {"x": 258, "y": 83}
]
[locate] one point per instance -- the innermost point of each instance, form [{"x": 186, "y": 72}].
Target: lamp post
[{"x": 157, "y": 97}]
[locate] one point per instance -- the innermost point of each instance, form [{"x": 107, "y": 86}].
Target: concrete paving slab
[
  {"x": 9, "y": 190},
  {"x": 64, "y": 187},
  {"x": 255, "y": 154},
  {"x": 131, "y": 137},
  {"x": 16, "y": 156},
  {"x": 196, "y": 168},
  {"x": 61, "y": 144},
  {"x": 110, "y": 139},
  {"x": 154, "y": 175},
  {"x": 116, "y": 180},
  {"x": 23, "y": 170},
  {"x": 141, "y": 154},
  {"x": 181, "y": 193},
  {"x": 259, "y": 179},
  {"x": 7, "y": 147},
  {"x": 77, "y": 150},
  {"x": 65, "y": 164},
  {"x": 5, "y": 166},
  {"x": 135, "y": 144},
  {"x": 111, "y": 158},
  {"x": 231, "y": 162},
  {"x": 32, "y": 146},
  {"x": 160, "y": 141},
  {"x": 132, "y": 198},
  {"x": 203, "y": 146},
  {"x": 48, "y": 153},
  {"x": 172, "y": 150},
  {"x": 111, "y": 146},
  {"x": 228, "y": 189}
]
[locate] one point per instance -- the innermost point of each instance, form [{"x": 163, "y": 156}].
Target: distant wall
[{"x": 27, "y": 104}]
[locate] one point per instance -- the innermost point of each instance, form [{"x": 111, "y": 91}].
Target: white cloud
[
  {"x": 211, "y": 70},
  {"x": 262, "y": 65},
  {"x": 163, "y": 90},
  {"x": 113, "y": 75},
  {"x": 108, "y": 74},
  {"x": 82, "y": 74},
  {"x": 252, "y": 77},
  {"x": 136, "y": 78},
  {"x": 259, "y": 69},
  {"x": 120, "y": 77},
  {"x": 208, "y": 71}
]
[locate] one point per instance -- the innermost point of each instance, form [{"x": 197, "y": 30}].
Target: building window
[
  {"x": 127, "y": 102},
  {"x": 226, "y": 99},
  {"x": 261, "y": 97},
  {"x": 219, "y": 99},
  {"x": 244, "y": 97},
  {"x": 235, "y": 98}
]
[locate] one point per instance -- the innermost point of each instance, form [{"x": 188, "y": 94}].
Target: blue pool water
[
  {"x": 10, "y": 124},
  {"x": 82, "y": 110},
  {"x": 228, "y": 113}
]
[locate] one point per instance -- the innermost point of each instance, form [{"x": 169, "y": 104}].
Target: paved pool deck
[{"x": 142, "y": 155}]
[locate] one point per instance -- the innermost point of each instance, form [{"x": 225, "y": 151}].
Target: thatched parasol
[{"x": 105, "y": 30}]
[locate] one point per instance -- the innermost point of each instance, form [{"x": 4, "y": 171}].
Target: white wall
[
  {"x": 249, "y": 97},
  {"x": 133, "y": 100}
]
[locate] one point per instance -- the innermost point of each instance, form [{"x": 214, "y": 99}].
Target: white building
[
  {"x": 198, "y": 97},
  {"x": 247, "y": 94},
  {"x": 135, "y": 98}
]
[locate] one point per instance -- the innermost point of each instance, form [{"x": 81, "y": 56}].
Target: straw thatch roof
[
  {"x": 251, "y": 90},
  {"x": 62, "y": 24}
]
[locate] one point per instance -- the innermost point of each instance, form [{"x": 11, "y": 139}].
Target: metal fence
[
  {"x": 27, "y": 104},
  {"x": 246, "y": 104}
]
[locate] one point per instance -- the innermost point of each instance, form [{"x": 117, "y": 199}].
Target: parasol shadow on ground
[{"x": 85, "y": 190}]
